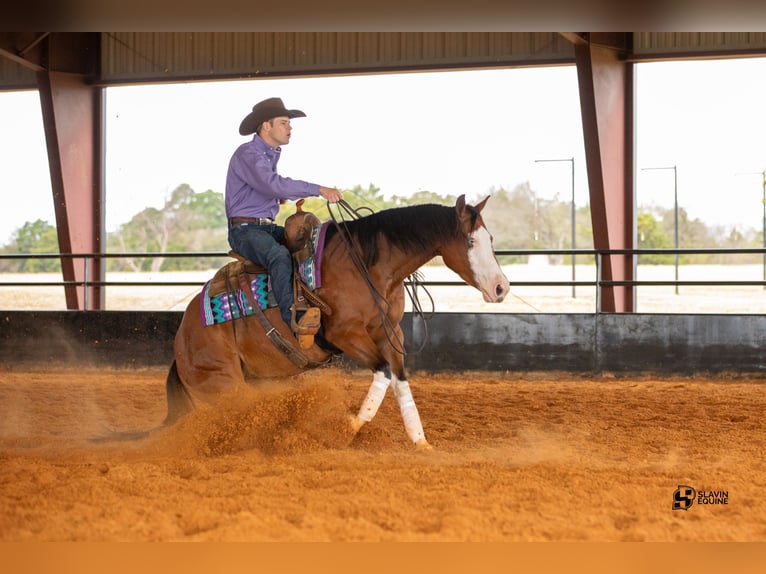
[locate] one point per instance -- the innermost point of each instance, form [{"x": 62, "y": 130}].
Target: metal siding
[
  {"x": 647, "y": 43},
  {"x": 356, "y": 48},
  {"x": 14, "y": 76},
  {"x": 155, "y": 56},
  {"x": 175, "y": 56}
]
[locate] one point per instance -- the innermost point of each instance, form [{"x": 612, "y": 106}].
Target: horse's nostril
[{"x": 499, "y": 290}]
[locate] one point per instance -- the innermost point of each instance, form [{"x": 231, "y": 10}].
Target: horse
[{"x": 364, "y": 264}]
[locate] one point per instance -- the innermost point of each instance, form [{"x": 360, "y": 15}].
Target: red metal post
[
  {"x": 606, "y": 100},
  {"x": 72, "y": 117}
]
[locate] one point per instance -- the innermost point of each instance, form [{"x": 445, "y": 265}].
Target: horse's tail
[
  {"x": 179, "y": 400},
  {"x": 179, "y": 403}
]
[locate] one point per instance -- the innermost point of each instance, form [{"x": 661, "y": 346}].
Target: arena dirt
[{"x": 541, "y": 457}]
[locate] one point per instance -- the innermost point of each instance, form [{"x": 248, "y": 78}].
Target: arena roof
[{"x": 113, "y": 58}]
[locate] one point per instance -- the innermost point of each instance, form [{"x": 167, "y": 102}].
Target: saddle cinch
[{"x": 251, "y": 280}]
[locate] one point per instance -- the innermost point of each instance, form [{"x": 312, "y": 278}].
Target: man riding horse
[
  {"x": 360, "y": 269},
  {"x": 254, "y": 191}
]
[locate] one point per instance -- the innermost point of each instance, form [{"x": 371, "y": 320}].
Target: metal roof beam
[{"x": 24, "y": 49}]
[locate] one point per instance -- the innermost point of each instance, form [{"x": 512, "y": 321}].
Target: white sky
[{"x": 446, "y": 132}]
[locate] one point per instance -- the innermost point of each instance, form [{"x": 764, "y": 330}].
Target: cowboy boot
[{"x": 308, "y": 326}]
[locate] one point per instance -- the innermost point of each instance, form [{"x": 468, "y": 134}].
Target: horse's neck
[{"x": 401, "y": 264}]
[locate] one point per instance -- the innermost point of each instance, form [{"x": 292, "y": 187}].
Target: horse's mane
[{"x": 414, "y": 228}]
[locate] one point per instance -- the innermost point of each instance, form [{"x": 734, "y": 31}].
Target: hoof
[
  {"x": 422, "y": 444},
  {"x": 355, "y": 422}
]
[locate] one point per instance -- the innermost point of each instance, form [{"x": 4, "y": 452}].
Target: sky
[{"x": 447, "y": 132}]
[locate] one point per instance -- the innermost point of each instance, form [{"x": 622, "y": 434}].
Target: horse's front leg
[
  {"x": 381, "y": 380},
  {"x": 409, "y": 410}
]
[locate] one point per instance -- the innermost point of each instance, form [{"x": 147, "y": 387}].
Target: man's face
[{"x": 276, "y": 132}]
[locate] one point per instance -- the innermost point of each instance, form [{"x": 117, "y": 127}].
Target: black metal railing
[{"x": 598, "y": 256}]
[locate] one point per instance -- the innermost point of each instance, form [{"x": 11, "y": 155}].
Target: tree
[
  {"x": 187, "y": 222},
  {"x": 38, "y": 236},
  {"x": 365, "y": 201},
  {"x": 514, "y": 219},
  {"x": 518, "y": 219},
  {"x": 652, "y": 235},
  {"x": 421, "y": 197},
  {"x": 199, "y": 225}
]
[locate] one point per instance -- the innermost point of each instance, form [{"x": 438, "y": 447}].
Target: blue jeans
[{"x": 263, "y": 244}]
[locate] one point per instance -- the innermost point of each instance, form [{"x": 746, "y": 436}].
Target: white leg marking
[
  {"x": 409, "y": 411},
  {"x": 373, "y": 399}
]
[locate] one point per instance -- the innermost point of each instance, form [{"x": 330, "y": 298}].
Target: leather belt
[{"x": 253, "y": 220}]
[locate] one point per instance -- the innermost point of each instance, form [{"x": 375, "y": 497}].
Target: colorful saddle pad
[
  {"x": 220, "y": 307},
  {"x": 233, "y": 304},
  {"x": 310, "y": 270}
]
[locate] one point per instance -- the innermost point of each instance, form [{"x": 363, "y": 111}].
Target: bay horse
[{"x": 365, "y": 310}]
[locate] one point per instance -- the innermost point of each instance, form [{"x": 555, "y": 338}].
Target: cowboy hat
[{"x": 264, "y": 111}]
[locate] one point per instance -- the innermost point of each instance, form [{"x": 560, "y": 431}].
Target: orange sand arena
[{"x": 516, "y": 457}]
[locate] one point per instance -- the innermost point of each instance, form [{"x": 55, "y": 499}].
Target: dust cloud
[{"x": 517, "y": 456}]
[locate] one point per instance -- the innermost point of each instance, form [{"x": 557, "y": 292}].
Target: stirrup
[{"x": 307, "y": 326}]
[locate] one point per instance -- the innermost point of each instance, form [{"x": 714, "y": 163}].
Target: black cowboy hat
[{"x": 264, "y": 111}]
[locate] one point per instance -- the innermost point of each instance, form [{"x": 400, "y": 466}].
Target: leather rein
[{"x": 414, "y": 282}]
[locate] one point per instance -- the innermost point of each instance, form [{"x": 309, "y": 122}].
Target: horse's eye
[{"x": 471, "y": 241}]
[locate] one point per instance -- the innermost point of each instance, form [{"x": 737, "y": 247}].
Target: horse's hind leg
[{"x": 179, "y": 401}]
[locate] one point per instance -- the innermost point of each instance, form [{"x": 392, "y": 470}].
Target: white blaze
[{"x": 491, "y": 280}]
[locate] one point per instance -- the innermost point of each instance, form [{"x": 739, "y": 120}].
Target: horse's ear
[
  {"x": 479, "y": 206},
  {"x": 463, "y": 215},
  {"x": 460, "y": 205}
]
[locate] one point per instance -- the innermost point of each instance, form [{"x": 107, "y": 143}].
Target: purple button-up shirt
[{"x": 253, "y": 186}]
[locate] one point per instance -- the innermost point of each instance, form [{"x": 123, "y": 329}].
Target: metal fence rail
[{"x": 597, "y": 255}]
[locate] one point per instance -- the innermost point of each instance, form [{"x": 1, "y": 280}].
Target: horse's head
[{"x": 473, "y": 257}]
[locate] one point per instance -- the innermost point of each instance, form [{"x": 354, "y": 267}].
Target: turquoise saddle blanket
[{"x": 234, "y": 304}]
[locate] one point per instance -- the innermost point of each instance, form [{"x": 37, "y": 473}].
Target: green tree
[
  {"x": 370, "y": 198},
  {"x": 513, "y": 219},
  {"x": 38, "y": 236},
  {"x": 693, "y": 233},
  {"x": 518, "y": 219},
  {"x": 199, "y": 225},
  {"x": 364, "y": 200},
  {"x": 422, "y": 197},
  {"x": 187, "y": 222},
  {"x": 208, "y": 209},
  {"x": 652, "y": 235}
]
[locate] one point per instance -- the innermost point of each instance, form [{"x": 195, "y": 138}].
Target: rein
[{"x": 346, "y": 213}]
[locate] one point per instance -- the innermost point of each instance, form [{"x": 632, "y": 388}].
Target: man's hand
[{"x": 330, "y": 194}]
